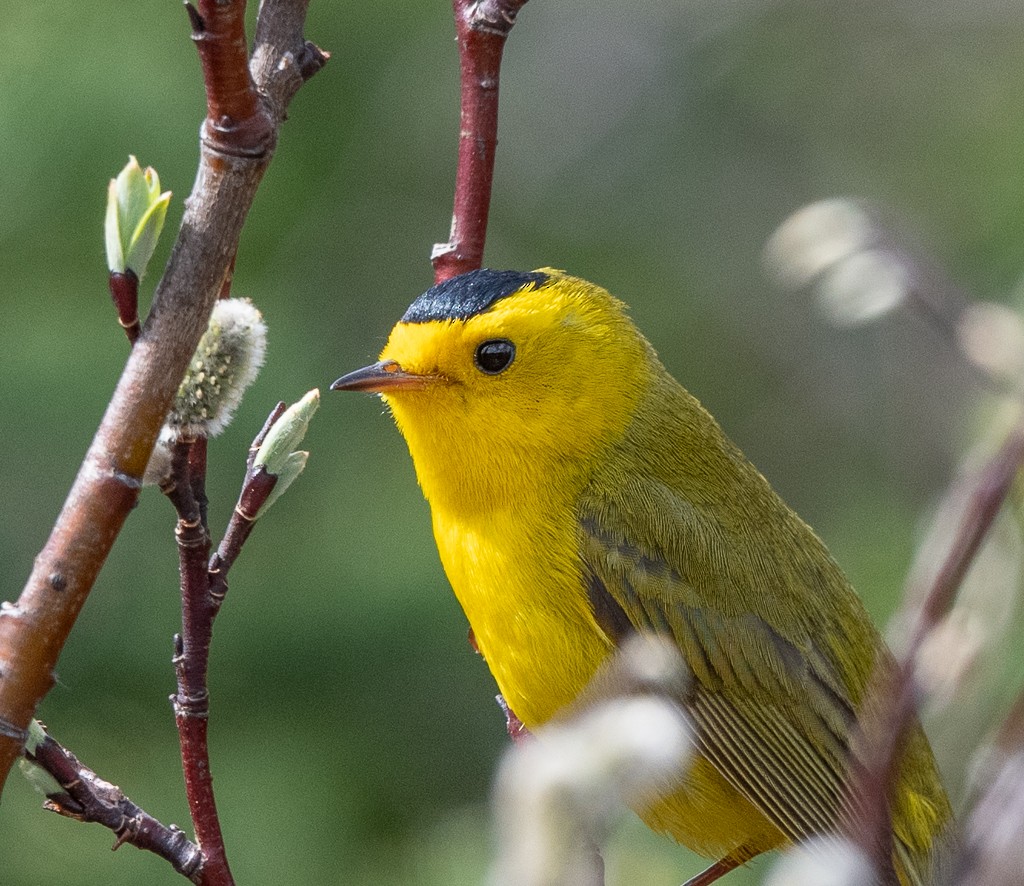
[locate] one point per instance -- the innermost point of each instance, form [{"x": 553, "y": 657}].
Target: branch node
[
  {"x": 192, "y": 706},
  {"x": 245, "y": 515},
  {"x": 127, "y": 480},
  {"x": 195, "y": 21},
  {"x": 250, "y": 138},
  {"x": 494, "y": 16},
  {"x": 310, "y": 59}
]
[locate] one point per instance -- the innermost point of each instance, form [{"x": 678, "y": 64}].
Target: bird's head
[{"x": 497, "y": 377}]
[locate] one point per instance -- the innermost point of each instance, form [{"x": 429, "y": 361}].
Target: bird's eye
[{"x": 494, "y": 355}]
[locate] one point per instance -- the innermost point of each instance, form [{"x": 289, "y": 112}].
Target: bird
[{"x": 579, "y": 495}]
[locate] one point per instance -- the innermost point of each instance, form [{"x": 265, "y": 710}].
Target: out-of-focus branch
[
  {"x": 86, "y": 797},
  {"x": 993, "y": 841},
  {"x": 481, "y": 28},
  {"x": 233, "y": 158},
  {"x": 623, "y": 740},
  {"x": 893, "y": 700},
  {"x": 861, "y": 270}
]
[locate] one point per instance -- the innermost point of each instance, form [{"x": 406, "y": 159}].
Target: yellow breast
[{"x": 520, "y": 585}]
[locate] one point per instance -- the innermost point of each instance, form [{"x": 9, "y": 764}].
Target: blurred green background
[{"x": 650, "y": 147}]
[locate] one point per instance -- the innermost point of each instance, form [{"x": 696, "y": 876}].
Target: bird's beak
[{"x": 382, "y": 377}]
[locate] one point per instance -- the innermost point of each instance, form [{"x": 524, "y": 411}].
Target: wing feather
[{"x": 772, "y": 714}]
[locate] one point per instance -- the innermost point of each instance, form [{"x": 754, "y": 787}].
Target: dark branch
[
  {"x": 89, "y": 798},
  {"x": 191, "y": 701},
  {"x": 203, "y": 589},
  {"x": 124, "y": 290}
]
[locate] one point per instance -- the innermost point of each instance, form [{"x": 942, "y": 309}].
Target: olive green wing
[{"x": 773, "y": 714}]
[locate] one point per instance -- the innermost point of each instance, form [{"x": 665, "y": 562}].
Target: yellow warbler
[{"x": 578, "y": 494}]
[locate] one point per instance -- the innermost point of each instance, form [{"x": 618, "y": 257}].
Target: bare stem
[
  {"x": 124, "y": 290},
  {"x": 203, "y": 589},
  {"x": 894, "y": 696},
  {"x": 191, "y": 701},
  {"x": 91, "y": 799},
  {"x": 481, "y": 27},
  {"x": 233, "y": 158},
  {"x": 992, "y": 830},
  {"x": 236, "y": 121}
]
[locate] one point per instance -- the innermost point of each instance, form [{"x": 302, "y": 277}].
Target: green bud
[
  {"x": 228, "y": 358},
  {"x": 287, "y": 433},
  {"x": 136, "y": 210},
  {"x": 36, "y": 736},
  {"x": 292, "y": 467},
  {"x": 158, "y": 468},
  {"x": 40, "y": 779},
  {"x": 277, "y": 454}
]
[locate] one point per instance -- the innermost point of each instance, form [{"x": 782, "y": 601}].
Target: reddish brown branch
[
  {"x": 256, "y": 489},
  {"x": 33, "y": 631},
  {"x": 236, "y": 121},
  {"x": 481, "y": 29},
  {"x": 203, "y": 589},
  {"x": 893, "y": 703},
  {"x": 124, "y": 290},
  {"x": 191, "y": 702}
]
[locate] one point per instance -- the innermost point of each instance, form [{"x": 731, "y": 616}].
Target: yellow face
[{"x": 486, "y": 402}]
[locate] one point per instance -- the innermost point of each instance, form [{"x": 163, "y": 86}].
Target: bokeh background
[{"x": 652, "y": 147}]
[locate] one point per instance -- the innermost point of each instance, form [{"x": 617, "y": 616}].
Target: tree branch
[
  {"x": 203, "y": 589},
  {"x": 236, "y": 121},
  {"x": 233, "y": 158},
  {"x": 481, "y": 27},
  {"x": 191, "y": 656},
  {"x": 893, "y": 699},
  {"x": 89, "y": 798}
]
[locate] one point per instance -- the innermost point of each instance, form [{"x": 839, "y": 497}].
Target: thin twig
[
  {"x": 124, "y": 290},
  {"x": 191, "y": 701},
  {"x": 203, "y": 589},
  {"x": 894, "y": 697},
  {"x": 89, "y": 798},
  {"x": 233, "y": 158},
  {"x": 481, "y": 29}
]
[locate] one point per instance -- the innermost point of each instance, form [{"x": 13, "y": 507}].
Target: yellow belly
[{"x": 708, "y": 816}]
